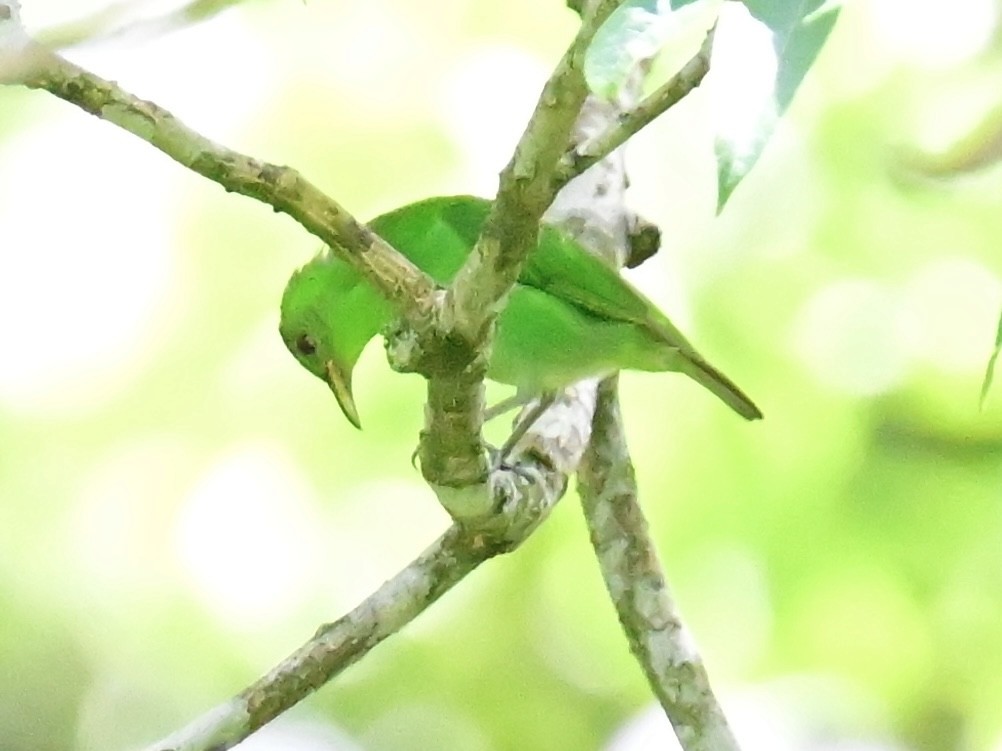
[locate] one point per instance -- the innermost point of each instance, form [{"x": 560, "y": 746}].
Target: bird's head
[{"x": 328, "y": 316}]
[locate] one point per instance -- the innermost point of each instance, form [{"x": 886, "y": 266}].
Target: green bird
[{"x": 570, "y": 315}]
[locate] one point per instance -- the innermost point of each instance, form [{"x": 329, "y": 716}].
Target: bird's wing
[
  {"x": 439, "y": 233},
  {"x": 562, "y": 268}
]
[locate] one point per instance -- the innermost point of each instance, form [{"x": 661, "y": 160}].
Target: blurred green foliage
[{"x": 180, "y": 505}]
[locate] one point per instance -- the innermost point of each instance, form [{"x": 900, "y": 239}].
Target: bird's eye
[{"x": 305, "y": 344}]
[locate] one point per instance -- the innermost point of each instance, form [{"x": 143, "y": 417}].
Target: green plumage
[{"x": 570, "y": 316}]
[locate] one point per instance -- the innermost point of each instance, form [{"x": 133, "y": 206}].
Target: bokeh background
[{"x": 181, "y": 505}]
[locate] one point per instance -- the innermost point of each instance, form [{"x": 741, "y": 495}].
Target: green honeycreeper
[{"x": 570, "y": 315}]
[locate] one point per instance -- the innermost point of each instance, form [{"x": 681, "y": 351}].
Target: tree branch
[
  {"x": 577, "y": 160},
  {"x": 526, "y": 189},
  {"x": 633, "y": 576},
  {"x": 627, "y": 558}
]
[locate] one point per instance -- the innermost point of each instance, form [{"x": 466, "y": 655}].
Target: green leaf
[
  {"x": 760, "y": 70},
  {"x": 635, "y": 32},
  {"x": 990, "y": 370}
]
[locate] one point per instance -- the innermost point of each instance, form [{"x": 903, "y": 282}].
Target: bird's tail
[{"x": 721, "y": 386}]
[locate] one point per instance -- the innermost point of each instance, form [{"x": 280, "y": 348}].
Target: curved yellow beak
[{"x": 340, "y": 382}]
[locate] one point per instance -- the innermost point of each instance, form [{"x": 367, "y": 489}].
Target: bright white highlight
[
  {"x": 248, "y": 537},
  {"x": 485, "y": 104},
  {"x": 743, "y": 70},
  {"x": 934, "y": 35},
  {"x": 80, "y": 282},
  {"x": 87, "y": 268}
]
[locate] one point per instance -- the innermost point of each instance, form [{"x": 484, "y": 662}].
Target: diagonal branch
[
  {"x": 526, "y": 188},
  {"x": 626, "y": 555},
  {"x": 635, "y": 581},
  {"x": 576, "y": 161}
]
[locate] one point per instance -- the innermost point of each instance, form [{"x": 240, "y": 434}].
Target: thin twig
[
  {"x": 635, "y": 581},
  {"x": 576, "y": 161}
]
